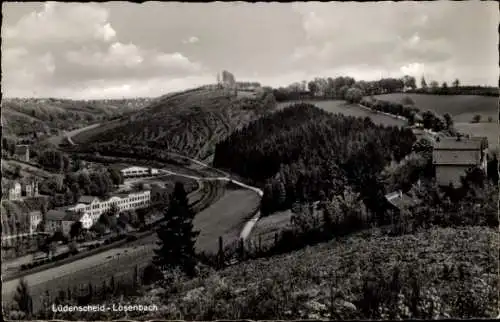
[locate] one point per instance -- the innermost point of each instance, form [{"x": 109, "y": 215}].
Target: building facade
[
  {"x": 91, "y": 208},
  {"x": 452, "y": 157},
  {"x": 35, "y": 218},
  {"x": 14, "y": 190},
  {"x": 131, "y": 172},
  {"x": 22, "y": 152}
]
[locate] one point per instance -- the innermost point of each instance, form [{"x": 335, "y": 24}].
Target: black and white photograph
[{"x": 250, "y": 161}]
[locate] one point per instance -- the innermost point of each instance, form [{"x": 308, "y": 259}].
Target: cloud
[
  {"x": 413, "y": 69},
  {"x": 191, "y": 40},
  {"x": 59, "y": 48},
  {"x": 75, "y": 44},
  {"x": 58, "y": 22}
]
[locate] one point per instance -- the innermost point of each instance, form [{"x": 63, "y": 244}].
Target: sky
[{"x": 121, "y": 49}]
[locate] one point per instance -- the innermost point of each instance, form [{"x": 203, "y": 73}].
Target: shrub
[
  {"x": 476, "y": 118},
  {"x": 151, "y": 274}
]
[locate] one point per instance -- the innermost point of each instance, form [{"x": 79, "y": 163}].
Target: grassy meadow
[
  {"x": 461, "y": 107},
  {"x": 342, "y": 107}
]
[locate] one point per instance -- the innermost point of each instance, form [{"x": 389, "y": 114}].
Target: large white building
[
  {"x": 129, "y": 172},
  {"x": 89, "y": 209}
]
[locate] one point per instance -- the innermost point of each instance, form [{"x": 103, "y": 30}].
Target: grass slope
[
  {"x": 461, "y": 107},
  {"x": 189, "y": 123},
  {"x": 312, "y": 282},
  {"x": 306, "y": 276},
  {"x": 342, "y": 107}
]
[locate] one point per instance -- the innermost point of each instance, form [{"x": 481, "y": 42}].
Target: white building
[
  {"x": 91, "y": 208},
  {"x": 130, "y": 172},
  {"x": 35, "y": 218}
]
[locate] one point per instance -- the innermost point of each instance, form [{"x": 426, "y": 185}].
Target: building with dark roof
[
  {"x": 22, "y": 152},
  {"x": 452, "y": 157}
]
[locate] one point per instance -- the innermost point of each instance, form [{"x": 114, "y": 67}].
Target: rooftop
[
  {"x": 86, "y": 199},
  {"x": 21, "y": 148},
  {"x": 56, "y": 215},
  {"x": 463, "y": 143},
  {"x": 401, "y": 200}
]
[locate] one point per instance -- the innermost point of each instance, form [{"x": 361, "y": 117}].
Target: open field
[
  {"x": 461, "y": 107},
  {"x": 93, "y": 269},
  {"x": 337, "y": 106},
  {"x": 58, "y": 139},
  {"x": 265, "y": 229},
  {"x": 225, "y": 218},
  {"x": 87, "y": 133},
  {"x": 489, "y": 130}
]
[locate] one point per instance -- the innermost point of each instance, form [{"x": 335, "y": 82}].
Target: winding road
[
  {"x": 69, "y": 270},
  {"x": 225, "y": 178}
]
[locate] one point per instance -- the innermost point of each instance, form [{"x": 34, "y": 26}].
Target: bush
[
  {"x": 131, "y": 238},
  {"x": 151, "y": 275},
  {"x": 476, "y": 118}
]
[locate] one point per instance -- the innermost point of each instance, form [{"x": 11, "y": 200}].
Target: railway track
[{"x": 203, "y": 198}]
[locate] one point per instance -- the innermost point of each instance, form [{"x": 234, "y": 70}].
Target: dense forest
[{"x": 303, "y": 154}]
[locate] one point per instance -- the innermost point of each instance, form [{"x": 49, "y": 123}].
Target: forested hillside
[
  {"x": 189, "y": 123},
  {"x": 33, "y": 116},
  {"x": 305, "y": 154}
]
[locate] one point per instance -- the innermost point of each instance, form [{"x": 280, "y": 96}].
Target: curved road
[{"x": 226, "y": 178}]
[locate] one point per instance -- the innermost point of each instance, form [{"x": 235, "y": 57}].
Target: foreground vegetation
[{"x": 437, "y": 273}]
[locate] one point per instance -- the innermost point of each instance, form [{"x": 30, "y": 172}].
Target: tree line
[
  {"x": 337, "y": 88},
  {"x": 68, "y": 188},
  {"x": 428, "y": 119},
  {"x": 303, "y": 154}
]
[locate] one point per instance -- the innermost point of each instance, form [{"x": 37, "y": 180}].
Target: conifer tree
[
  {"x": 177, "y": 236},
  {"x": 23, "y": 299}
]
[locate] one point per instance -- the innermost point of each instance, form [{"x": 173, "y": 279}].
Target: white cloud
[
  {"x": 118, "y": 55},
  {"x": 413, "y": 69},
  {"x": 60, "y": 22},
  {"x": 191, "y": 40},
  {"x": 121, "y": 58}
]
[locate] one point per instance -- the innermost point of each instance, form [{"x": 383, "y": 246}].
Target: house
[
  {"x": 54, "y": 220},
  {"x": 35, "y": 218},
  {"x": 452, "y": 156},
  {"x": 398, "y": 201},
  {"x": 29, "y": 188},
  {"x": 11, "y": 190},
  {"x": 22, "y": 151}
]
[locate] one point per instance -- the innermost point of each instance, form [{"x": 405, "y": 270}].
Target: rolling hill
[
  {"x": 25, "y": 116},
  {"x": 190, "y": 123}
]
